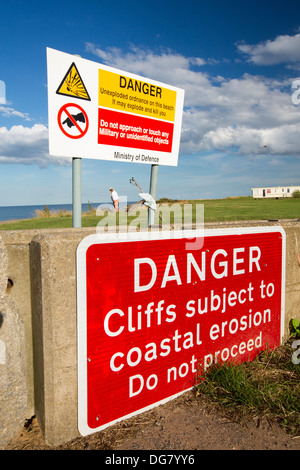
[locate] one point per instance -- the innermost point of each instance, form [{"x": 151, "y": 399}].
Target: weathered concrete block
[
  {"x": 13, "y": 391},
  {"x": 17, "y": 249},
  {"x": 53, "y": 284},
  {"x": 292, "y": 285}
]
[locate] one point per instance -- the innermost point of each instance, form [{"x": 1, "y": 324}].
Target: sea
[{"x": 28, "y": 212}]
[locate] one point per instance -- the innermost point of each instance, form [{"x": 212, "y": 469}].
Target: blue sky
[{"x": 237, "y": 62}]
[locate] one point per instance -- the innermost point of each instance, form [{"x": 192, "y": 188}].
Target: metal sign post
[
  {"x": 152, "y": 191},
  {"x": 76, "y": 191}
]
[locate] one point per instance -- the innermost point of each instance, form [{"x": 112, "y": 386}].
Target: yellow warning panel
[
  {"x": 72, "y": 85},
  {"x": 136, "y": 96}
]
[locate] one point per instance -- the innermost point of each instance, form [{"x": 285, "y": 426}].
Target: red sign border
[
  {"x": 83, "y": 426},
  {"x": 63, "y": 109}
]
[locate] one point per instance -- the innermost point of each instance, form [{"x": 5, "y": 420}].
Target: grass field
[
  {"x": 247, "y": 208},
  {"x": 215, "y": 210},
  {"x": 269, "y": 386}
]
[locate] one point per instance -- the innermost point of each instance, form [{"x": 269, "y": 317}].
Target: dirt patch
[{"x": 186, "y": 423}]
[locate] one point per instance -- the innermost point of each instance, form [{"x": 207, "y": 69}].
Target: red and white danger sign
[
  {"x": 154, "y": 313},
  {"x": 99, "y": 112}
]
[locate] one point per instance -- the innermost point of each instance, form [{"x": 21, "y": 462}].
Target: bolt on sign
[
  {"x": 123, "y": 117},
  {"x": 155, "y": 313}
]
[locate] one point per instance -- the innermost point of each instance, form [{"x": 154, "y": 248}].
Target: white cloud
[
  {"x": 2, "y": 92},
  {"x": 27, "y": 145},
  {"x": 245, "y": 114},
  {"x": 165, "y": 66},
  {"x": 250, "y": 114},
  {"x": 5, "y": 111},
  {"x": 282, "y": 49}
]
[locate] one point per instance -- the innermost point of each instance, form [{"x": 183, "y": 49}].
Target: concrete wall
[
  {"x": 24, "y": 263},
  {"x": 42, "y": 335},
  {"x": 13, "y": 391}
]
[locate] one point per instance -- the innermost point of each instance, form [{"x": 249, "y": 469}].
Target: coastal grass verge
[
  {"x": 267, "y": 387},
  {"x": 215, "y": 210}
]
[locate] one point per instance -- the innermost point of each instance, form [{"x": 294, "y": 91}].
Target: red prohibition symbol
[{"x": 73, "y": 120}]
